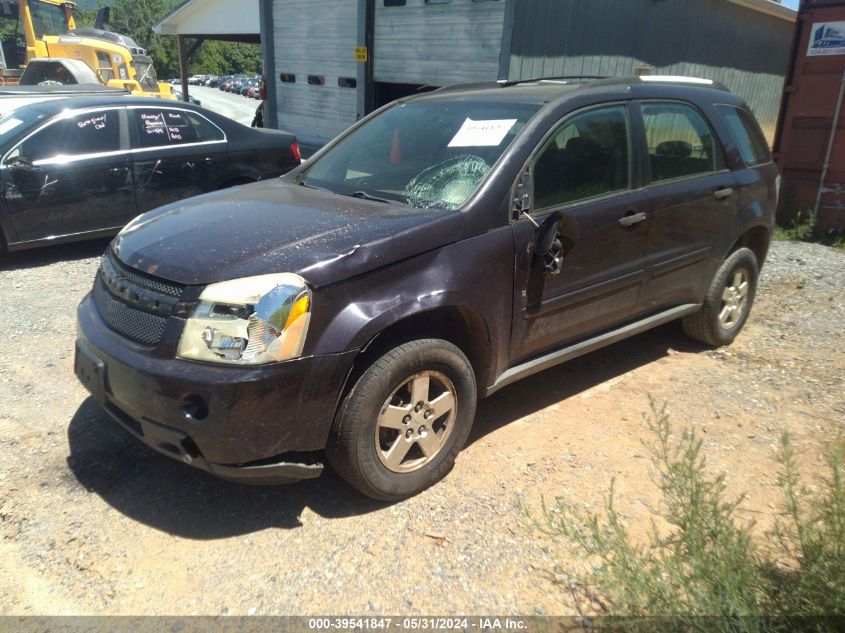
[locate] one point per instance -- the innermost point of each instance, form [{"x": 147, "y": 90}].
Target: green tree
[{"x": 137, "y": 19}]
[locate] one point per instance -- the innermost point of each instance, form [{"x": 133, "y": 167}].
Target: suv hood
[{"x": 277, "y": 227}]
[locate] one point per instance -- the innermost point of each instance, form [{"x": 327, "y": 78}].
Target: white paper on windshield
[
  {"x": 482, "y": 133},
  {"x": 8, "y": 126}
]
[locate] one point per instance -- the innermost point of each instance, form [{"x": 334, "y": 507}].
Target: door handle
[
  {"x": 723, "y": 193},
  {"x": 118, "y": 171},
  {"x": 633, "y": 218},
  {"x": 208, "y": 160}
]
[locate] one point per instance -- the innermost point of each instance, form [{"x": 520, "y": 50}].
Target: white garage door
[{"x": 315, "y": 51}]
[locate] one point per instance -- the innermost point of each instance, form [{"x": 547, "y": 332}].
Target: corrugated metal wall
[
  {"x": 438, "y": 44},
  {"x": 744, "y": 49},
  {"x": 315, "y": 37}
]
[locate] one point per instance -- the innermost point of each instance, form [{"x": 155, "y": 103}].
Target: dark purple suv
[{"x": 441, "y": 249}]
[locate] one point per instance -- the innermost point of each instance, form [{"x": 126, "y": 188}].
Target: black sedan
[{"x": 76, "y": 169}]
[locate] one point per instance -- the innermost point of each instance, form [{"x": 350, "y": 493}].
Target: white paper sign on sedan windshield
[{"x": 482, "y": 133}]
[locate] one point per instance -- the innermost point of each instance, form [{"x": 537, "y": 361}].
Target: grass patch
[
  {"x": 707, "y": 563},
  {"x": 804, "y": 228}
]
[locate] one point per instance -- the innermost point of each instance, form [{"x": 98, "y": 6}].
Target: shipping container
[{"x": 810, "y": 145}]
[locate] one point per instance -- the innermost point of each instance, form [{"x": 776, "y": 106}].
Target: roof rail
[
  {"x": 564, "y": 78},
  {"x": 677, "y": 79},
  {"x": 680, "y": 79}
]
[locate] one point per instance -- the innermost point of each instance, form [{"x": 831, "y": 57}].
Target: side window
[
  {"x": 680, "y": 142},
  {"x": 164, "y": 128},
  {"x": 205, "y": 130},
  {"x": 587, "y": 157},
  {"x": 749, "y": 140},
  {"x": 89, "y": 133},
  {"x": 104, "y": 66}
]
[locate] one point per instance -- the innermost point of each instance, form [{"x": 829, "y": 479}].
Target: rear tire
[
  {"x": 728, "y": 301},
  {"x": 403, "y": 423}
]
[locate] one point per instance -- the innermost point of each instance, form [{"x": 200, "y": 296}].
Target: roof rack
[{"x": 563, "y": 78}]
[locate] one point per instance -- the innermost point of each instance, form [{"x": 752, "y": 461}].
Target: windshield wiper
[{"x": 363, "y": 195}]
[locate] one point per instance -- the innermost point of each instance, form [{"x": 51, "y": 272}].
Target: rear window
[{"x": 749, "y": 140}]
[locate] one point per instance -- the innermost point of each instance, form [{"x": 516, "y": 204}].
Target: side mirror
[{"x": 550, "y": 246}]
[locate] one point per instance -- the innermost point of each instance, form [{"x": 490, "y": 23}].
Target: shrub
[
  {"x": 804, "y": 228},
  {"x": 704, "y": 561}
]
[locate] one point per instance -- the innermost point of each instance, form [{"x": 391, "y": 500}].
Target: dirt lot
[{"x": 94, "y": 522}]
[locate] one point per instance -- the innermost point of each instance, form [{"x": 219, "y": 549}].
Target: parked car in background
[
  {"x": 238, "y": 84},
  {"x": 338, "y": 311},
  {"x": 248, "y": 85},
  {"x": 213, "y": 82},
  {"x": 74, "y": 169},
  {"x": 177, "y": 91}
]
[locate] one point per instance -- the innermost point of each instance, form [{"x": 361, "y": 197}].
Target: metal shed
[
  {"x": 336, "y": 60},
  {"x": 744, "y": 45}
]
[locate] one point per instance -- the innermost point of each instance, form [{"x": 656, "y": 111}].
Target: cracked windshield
[{"x": 430, "y": 154}]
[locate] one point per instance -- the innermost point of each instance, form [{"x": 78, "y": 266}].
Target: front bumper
[{"x": 251, "y": 424}]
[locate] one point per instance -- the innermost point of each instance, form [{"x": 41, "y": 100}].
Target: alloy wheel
[
  {"x": 415, "y": 422},
  {"x": 735, "y": 299}
]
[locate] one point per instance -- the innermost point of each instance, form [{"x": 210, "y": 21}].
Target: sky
[{"x": 792, "y": 4}]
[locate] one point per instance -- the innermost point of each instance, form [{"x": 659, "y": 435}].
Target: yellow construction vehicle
[{"x": 47, "y": 29}]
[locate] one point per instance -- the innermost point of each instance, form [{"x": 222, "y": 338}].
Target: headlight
[{"x": 249, "y": 321}]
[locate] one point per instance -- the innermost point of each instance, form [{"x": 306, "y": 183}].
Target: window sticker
[{"x": 482, "y": 133}]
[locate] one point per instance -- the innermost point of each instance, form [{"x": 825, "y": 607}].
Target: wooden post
[{"x": 183, "y": 67}]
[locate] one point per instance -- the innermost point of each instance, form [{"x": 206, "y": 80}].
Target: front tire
[
  {"x": 728, "y": 302},
  {"x": 403, "y": 423}
]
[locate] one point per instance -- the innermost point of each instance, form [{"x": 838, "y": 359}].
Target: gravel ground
[{"x": 93, "y": 522}]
